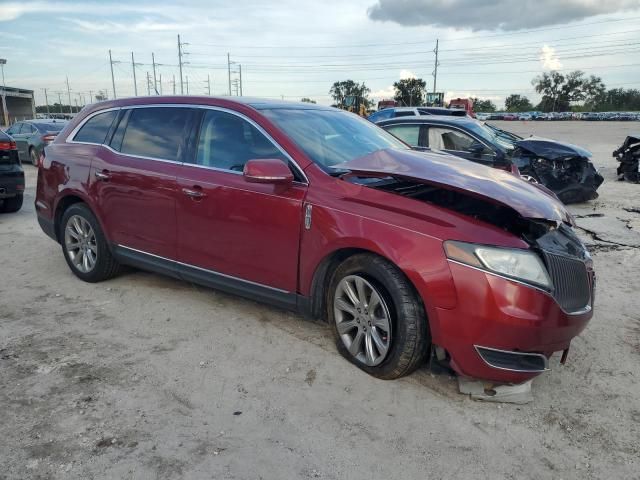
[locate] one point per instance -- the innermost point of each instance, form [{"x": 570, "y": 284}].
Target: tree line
[{"x": 560, "y": 92}]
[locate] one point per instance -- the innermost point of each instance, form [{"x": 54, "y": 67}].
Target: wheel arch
[
  {"x": 70, "y": 198},
  {"x": 323, "y": 274}
]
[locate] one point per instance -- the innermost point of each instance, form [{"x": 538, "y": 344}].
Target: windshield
[
  {"x": 330, "y": 137},
  {"x": 493, "y": 135}
]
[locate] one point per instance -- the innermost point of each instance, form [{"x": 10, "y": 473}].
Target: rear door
[
  {"x": 236, "y": 232},
  {"x": 133, "y": 181}
]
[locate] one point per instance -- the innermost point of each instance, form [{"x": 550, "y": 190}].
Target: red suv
[{"x": 314, "y": 209}]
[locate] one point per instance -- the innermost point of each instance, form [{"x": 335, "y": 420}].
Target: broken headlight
[{"x": 522, "y": 265}]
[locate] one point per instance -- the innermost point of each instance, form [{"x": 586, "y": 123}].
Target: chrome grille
[{"x": 571, "y": 282}]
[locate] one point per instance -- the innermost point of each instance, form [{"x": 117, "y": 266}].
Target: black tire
[
  {"x": 105, "y": 266},
  {"x": 411, "y": 339},
  {"x": 11, "y": 205},
  {"x": 33, "y": 156}
]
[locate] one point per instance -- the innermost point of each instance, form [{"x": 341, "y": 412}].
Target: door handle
[
  {"x": 196, "y": 193},
  {"x": 103, "y": 176}
]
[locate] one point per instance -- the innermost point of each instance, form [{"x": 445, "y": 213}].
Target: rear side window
[
  {"x": 96, "y": 128},
  {"x": 156, "y": 132}
]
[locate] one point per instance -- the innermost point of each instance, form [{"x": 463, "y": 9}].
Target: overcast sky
[{"x": 488, "y": 48}]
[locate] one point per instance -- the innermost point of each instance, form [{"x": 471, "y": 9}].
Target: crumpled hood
[
  {"x": 551, "y": 149},
  {"x": 455, "y": 173}
]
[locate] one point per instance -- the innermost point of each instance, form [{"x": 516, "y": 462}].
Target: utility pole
[
  {"x": 46, "y": 100},
  {"x": 113, "y": 81},
  {"x": 240, "y": 67},
  {"x": 135, "y": 83},
  {"x": 160, "y": 81},
  {"x": 60, "y": 100},
  {"x": 229, "y": 72},
  {"x": 77, "y": 108},
  {"x": 155, "y": 82},
  {"x": 69, "y": 95},
  {"x": 90, "y": 96},
  {"x": 187, "y": 78},
  {"x": 180, "y": 64},
  {"x": 208, "y": 82},
  {"x": 173, "y": 82},
  {"x": 148, "y": 84},
  {"x": 435, "y": 68}
]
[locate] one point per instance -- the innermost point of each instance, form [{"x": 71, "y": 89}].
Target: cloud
[
  {"x": 548, "y": 58},
  {"x": 145, "y": 25},
  {"x": 407, "y": 74},
  {"x": 493, "y": 14},
  {"x": 13, "y": 10}
]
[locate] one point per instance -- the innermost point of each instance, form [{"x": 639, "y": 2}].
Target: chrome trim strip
[
  {"x": 584, "y": 310},
  {"x": 231, "y": 277},
  {"x": 185, "y": 105},
  {"x": 545, "y": 359}
]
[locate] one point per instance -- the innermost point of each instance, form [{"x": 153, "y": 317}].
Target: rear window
[
  {"x": 96, "y": 128},
  {"x": 50, "y": 127},
  {"x": 156, "y": 132}
]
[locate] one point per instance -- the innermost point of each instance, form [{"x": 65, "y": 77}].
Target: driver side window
[{"x": 227, "y": 142}]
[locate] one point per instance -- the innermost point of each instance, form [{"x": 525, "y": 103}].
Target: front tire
[
  {"x": 378, "y": 321},
  {"x": 11, "y": 205},
  {"x": 84, "y": 245}
]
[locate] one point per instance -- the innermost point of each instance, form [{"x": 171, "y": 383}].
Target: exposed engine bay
[
  {"x": 493, "y": 213},
  {"x": 563, "y": 168},
  {"x": 629, "y": 157},
  {"x": 567, "y": 172}
]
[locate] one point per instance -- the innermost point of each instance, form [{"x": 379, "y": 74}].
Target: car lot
[{"x": 147, "y": 377}]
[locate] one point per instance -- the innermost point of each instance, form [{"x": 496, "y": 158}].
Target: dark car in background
[
  {"x": 11, "y": 176},
  {"x": 396, "y": 112},
  {"x": 31, "y": 136},
  {"x": 563, "y": 168}
]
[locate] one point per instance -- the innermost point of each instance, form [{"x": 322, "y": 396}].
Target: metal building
[{"x": 17, "y": 104}]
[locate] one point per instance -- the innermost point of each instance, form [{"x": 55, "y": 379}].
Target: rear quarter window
[
  {"x": 156, "y": 132},
  {"x": 96, "y": 128}
]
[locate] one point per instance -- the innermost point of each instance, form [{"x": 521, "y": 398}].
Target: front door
[
  {"x": 134, "y": 181},
  {"x": 232, "y": 231}
]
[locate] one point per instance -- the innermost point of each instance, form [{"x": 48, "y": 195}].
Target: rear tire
[
  {"x": 404, "y": 345},
  {"x": 11, "y": 205},
  {"x": 84, "y": 245},
  {"x": 33, "y": 156}
]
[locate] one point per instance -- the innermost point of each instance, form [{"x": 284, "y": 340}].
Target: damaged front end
[
  {"x": 629, "y": 157},
  {"x": 563, "y": 168}
]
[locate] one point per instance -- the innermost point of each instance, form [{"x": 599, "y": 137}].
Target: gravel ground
[{"x": 145, "y": 377}]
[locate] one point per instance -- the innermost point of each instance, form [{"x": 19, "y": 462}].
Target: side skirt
[{"x": 208, "y": 278}]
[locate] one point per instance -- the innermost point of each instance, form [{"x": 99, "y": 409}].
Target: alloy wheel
[
  {"x": 80, "y": 243},
  {"x": 362, "y": 319}
]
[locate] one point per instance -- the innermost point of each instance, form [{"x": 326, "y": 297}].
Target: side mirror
[
  {"x": 267, "y": 170},
  {"x": 477, "y": 148}
]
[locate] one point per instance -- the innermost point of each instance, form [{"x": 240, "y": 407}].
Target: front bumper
[{"x": 504, "y": 315}]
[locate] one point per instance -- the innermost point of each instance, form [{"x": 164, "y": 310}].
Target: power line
[{"x": 421, "y": 42}]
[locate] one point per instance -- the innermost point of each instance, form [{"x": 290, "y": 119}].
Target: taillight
[
  {"x": 48, "y": 138},
  {"x": 515, "y": 170},
  {"x": 8, "y": 145}
]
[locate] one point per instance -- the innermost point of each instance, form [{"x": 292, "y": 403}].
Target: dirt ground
[{"x": 145, "y": 377}]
